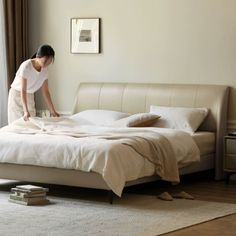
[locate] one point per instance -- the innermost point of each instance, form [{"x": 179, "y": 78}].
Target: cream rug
[{"x": 139, "y": 215}]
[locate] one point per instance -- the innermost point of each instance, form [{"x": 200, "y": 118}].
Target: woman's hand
[
  {"x": 48, "y": 100},
  {"x": 26, "y": 116},
  {"x": 55, "y": 114}
]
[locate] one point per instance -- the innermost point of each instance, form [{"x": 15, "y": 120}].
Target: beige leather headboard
[{"x": 134, "y": 98}]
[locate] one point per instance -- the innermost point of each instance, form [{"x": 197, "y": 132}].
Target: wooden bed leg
[{"x": 110, "y": 196}]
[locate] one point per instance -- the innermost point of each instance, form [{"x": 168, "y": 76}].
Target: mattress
[{"x": 205, "y": 142}]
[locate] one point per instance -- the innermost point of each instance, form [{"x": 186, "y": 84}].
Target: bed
[{"x": 136, "y": 98}]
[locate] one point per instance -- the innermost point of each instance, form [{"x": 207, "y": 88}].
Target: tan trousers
[{"x": 15, "y": 107}]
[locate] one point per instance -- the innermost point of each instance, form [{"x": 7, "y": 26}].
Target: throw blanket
[{"x": 104, "y": 149}]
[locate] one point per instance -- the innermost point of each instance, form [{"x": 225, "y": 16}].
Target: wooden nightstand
[{"x": 229, "y": 156}]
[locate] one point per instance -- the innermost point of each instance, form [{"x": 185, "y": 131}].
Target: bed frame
[{"x": 134, "y": 98}]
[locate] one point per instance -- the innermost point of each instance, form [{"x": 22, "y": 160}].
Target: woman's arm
[
  {"x": 47, "y": 98},
  {"x": 24, "y": 99}
]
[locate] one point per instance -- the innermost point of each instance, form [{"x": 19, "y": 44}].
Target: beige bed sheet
[{"x": 206, "y": 142}]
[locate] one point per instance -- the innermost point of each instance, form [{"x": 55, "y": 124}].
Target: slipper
[
  {"x": 184, "y": 195},
  {"x": 165, "y": 196}
]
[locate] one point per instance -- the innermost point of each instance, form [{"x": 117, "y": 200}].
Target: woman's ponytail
[{"x": 34, "y": 56}]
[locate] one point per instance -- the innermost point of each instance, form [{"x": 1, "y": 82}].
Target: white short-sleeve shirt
[{"x": 34, "y": 78}]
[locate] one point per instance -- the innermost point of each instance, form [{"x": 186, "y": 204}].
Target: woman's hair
[{"x": 44, "y": 51}]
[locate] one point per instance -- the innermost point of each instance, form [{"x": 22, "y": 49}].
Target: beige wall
[{"x": 160, "y": 41}]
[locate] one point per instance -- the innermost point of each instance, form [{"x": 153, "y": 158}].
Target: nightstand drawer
[
  {"x": 230, "y": 146},
  {"x": 230, "y": 162}
]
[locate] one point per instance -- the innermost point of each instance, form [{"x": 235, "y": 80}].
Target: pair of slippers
[{"x": 167, "y": 197}]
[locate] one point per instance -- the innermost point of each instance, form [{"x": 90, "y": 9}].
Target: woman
[{"x": 30, "y": 77}]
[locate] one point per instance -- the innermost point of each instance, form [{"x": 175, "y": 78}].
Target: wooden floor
[{"x": 202, "y": 187}]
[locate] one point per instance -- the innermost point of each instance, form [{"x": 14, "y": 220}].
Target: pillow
[
  {"x": 137, "y": 120},
  {"x": 80, "y": 121},
  {"x": 99, "y": 117},
  {"x": 182, "y": 118}
]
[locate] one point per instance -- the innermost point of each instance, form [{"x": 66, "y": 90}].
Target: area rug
[{"x": 138, "y": 215}]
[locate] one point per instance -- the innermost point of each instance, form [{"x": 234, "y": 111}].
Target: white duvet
[{"x": 63, "y": 143}]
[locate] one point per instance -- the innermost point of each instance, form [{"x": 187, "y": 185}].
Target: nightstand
[{"x": 229, "y": 156}]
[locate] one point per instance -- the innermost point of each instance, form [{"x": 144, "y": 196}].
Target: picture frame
[{"x": 85, "y": 35}]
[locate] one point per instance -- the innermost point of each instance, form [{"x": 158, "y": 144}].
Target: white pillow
[
  {"x": 137, "y": 120},
  {"x": 80, "y": 121},
  {"x": 182, "y": 118},
  {"x": 99, "y": 117}
]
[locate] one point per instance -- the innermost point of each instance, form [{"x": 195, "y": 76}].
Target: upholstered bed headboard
[{"x": 134, "y": 98}]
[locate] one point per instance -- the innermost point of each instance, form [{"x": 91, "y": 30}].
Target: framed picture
[{"x": 85, "y": 35}]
